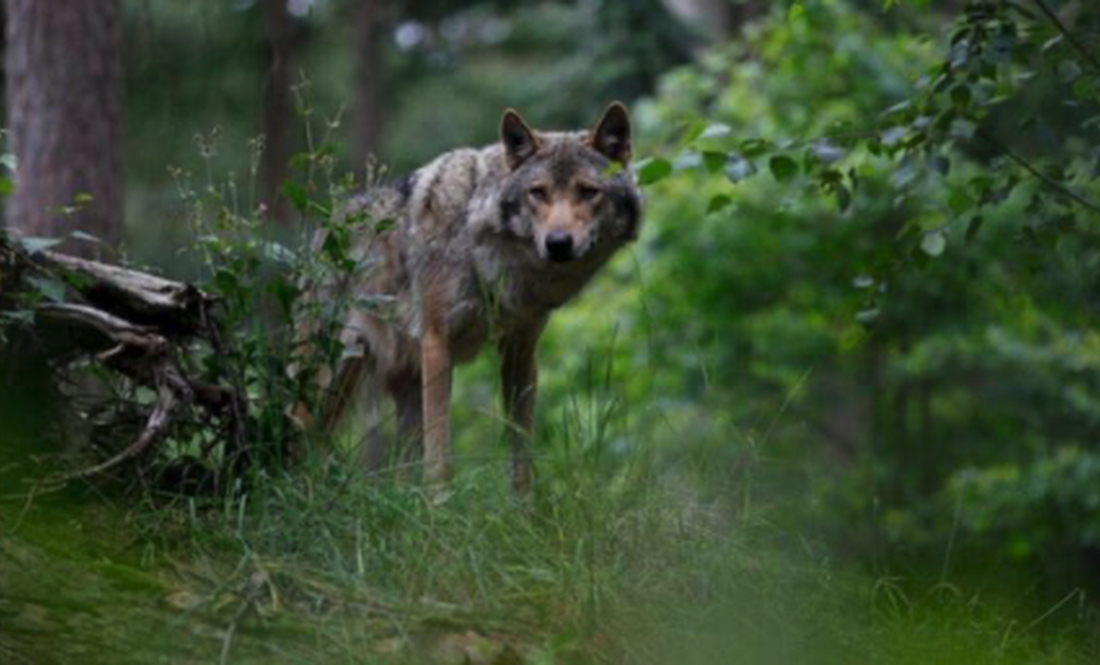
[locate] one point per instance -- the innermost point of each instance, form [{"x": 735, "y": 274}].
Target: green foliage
[
  {"x": 1036, "y": 509},
  {"x": 259, "y": 282},
  {"x": 907, "y": 294}
]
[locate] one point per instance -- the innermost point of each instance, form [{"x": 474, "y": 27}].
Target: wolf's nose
[{"x": 559, "y": 245}]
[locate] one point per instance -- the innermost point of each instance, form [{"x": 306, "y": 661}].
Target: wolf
[{"x": 484, "y": 244}]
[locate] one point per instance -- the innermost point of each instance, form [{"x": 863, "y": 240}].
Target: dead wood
[
  {"x": 138, "y": 296},
  {"x": 140, "y": 326}
]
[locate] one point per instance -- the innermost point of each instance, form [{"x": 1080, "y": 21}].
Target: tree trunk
[
  {"x": 274, "y": 164},
  {"x": 64, "y": 66},
  {"x": 372, "y": 19}
]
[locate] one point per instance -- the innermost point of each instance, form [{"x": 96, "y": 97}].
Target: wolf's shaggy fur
[{"x": 486, "y": 244}]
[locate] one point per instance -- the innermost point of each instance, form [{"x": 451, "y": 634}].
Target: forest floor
[{"x": 327, "y": 567}]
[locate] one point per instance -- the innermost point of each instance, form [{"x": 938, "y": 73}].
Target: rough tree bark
[{"x": 64, "y": 67}]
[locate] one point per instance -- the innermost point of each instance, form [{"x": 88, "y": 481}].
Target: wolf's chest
[{"x": 520, "y": 289}]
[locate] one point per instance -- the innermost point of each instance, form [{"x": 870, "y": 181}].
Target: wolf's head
[{"x": 570, "y": 192}]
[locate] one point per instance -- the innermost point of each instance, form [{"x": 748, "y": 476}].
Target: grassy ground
[{"x": 604, "y": 564}]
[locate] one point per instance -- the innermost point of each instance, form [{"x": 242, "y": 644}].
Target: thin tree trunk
[
  {"x": 278, "y": 110},
  {"x": 64, "y": 67},
  {"x": 372, "y": 19}
]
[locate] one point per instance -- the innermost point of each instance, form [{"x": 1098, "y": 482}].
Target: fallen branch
[
  {"x": 143, "y": 298},
  {"x": 132, "y": 323},
  {"x": 168, "y": 399}
]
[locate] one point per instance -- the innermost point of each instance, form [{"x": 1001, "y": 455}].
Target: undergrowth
[{"x": 627, "y": 567}]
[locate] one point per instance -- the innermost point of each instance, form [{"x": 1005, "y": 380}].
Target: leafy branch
[
  {"x": 1077, "y": 45},
  {"x": 1049, "y": 182}
]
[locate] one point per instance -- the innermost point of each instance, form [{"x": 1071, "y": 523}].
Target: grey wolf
[{"x": 485, "y": 244}]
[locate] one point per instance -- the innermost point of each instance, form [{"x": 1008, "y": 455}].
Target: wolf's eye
[
  {"x": 587, "y": 192},
  {"x": 539, "y": 193}
]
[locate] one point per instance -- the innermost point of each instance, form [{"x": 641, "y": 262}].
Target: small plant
[{"x": 272, "y": 346}]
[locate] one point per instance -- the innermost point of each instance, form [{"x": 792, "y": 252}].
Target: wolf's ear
[
  {"x": 520, "y": 143},
  {"x": 611, "y": 138}
]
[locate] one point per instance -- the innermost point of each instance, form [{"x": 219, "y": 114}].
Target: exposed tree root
[{"x": 139, "y": 326}]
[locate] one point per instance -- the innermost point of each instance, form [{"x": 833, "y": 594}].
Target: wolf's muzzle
[{"x": 559, "y": 246}]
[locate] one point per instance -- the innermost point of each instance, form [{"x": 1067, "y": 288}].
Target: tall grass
[{"x": 612, "y": 560}]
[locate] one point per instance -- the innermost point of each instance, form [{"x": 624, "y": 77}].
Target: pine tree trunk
[{"x": 64, "y": 66}]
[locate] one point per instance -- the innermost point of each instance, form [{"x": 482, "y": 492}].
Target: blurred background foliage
[{"x": 874, "y": 368}]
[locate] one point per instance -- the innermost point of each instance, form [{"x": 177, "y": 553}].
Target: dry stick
[
  {"x": 1043, "y": 7},
  {"x": 158, "y": 422},
  {"x": 1045, "y": 179},
  {"x": 153, "y": 356}
]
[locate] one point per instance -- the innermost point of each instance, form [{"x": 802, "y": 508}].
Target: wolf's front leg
[
  {"x": 519, "y": 380},
  {"x": 436, "y": 368}
]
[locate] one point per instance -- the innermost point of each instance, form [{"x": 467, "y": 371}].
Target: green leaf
[
  {"x": 738, "y": 168},
  {"x": 934, "y": 243},
  {"x": 86, "y": 237},
  {"x": 1052, "y": 42},
  {"x": 7, "y": 187},
  {"x": 783, "y": 168},
  {"x": 8, "y": 160},
  {"x": 1069, "y": 71},
  {"x": 867, "y": 316},
  {"x": 714, "y": 161},
  {"x": 843, "y": 197},
  {"x": 827, "y": 152},
  {"x": 653, "y": 170},
  {"x": 932, "y": 220},
  {"x": 693, "y": 131},
  {"x": 688, "y": 159},
  {"x": 718, "y": 202},
  {"x": 755, "y": 147},
  {"x": 897, "y": 108},
  {"x": 322, "y": 209},
  {"x": 23, "y": 316},
  {"x": 714, "y": 131},
  {"x": 296, "y": 193},
  {"x": 36, "y": 245},
  {"x": 960, "y": 94},
  {"x": 285, "y": 292},
  {"x": 963, "y": 129},
  {"x": 51, "y": 289},
  {"x": 1085, "y": 89},
  {"x": 973, "y": 227},
  {"x": 894, "y": 136},
  {"x": 960, "y": 201},
  {"x": 279, "y": 253}
]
